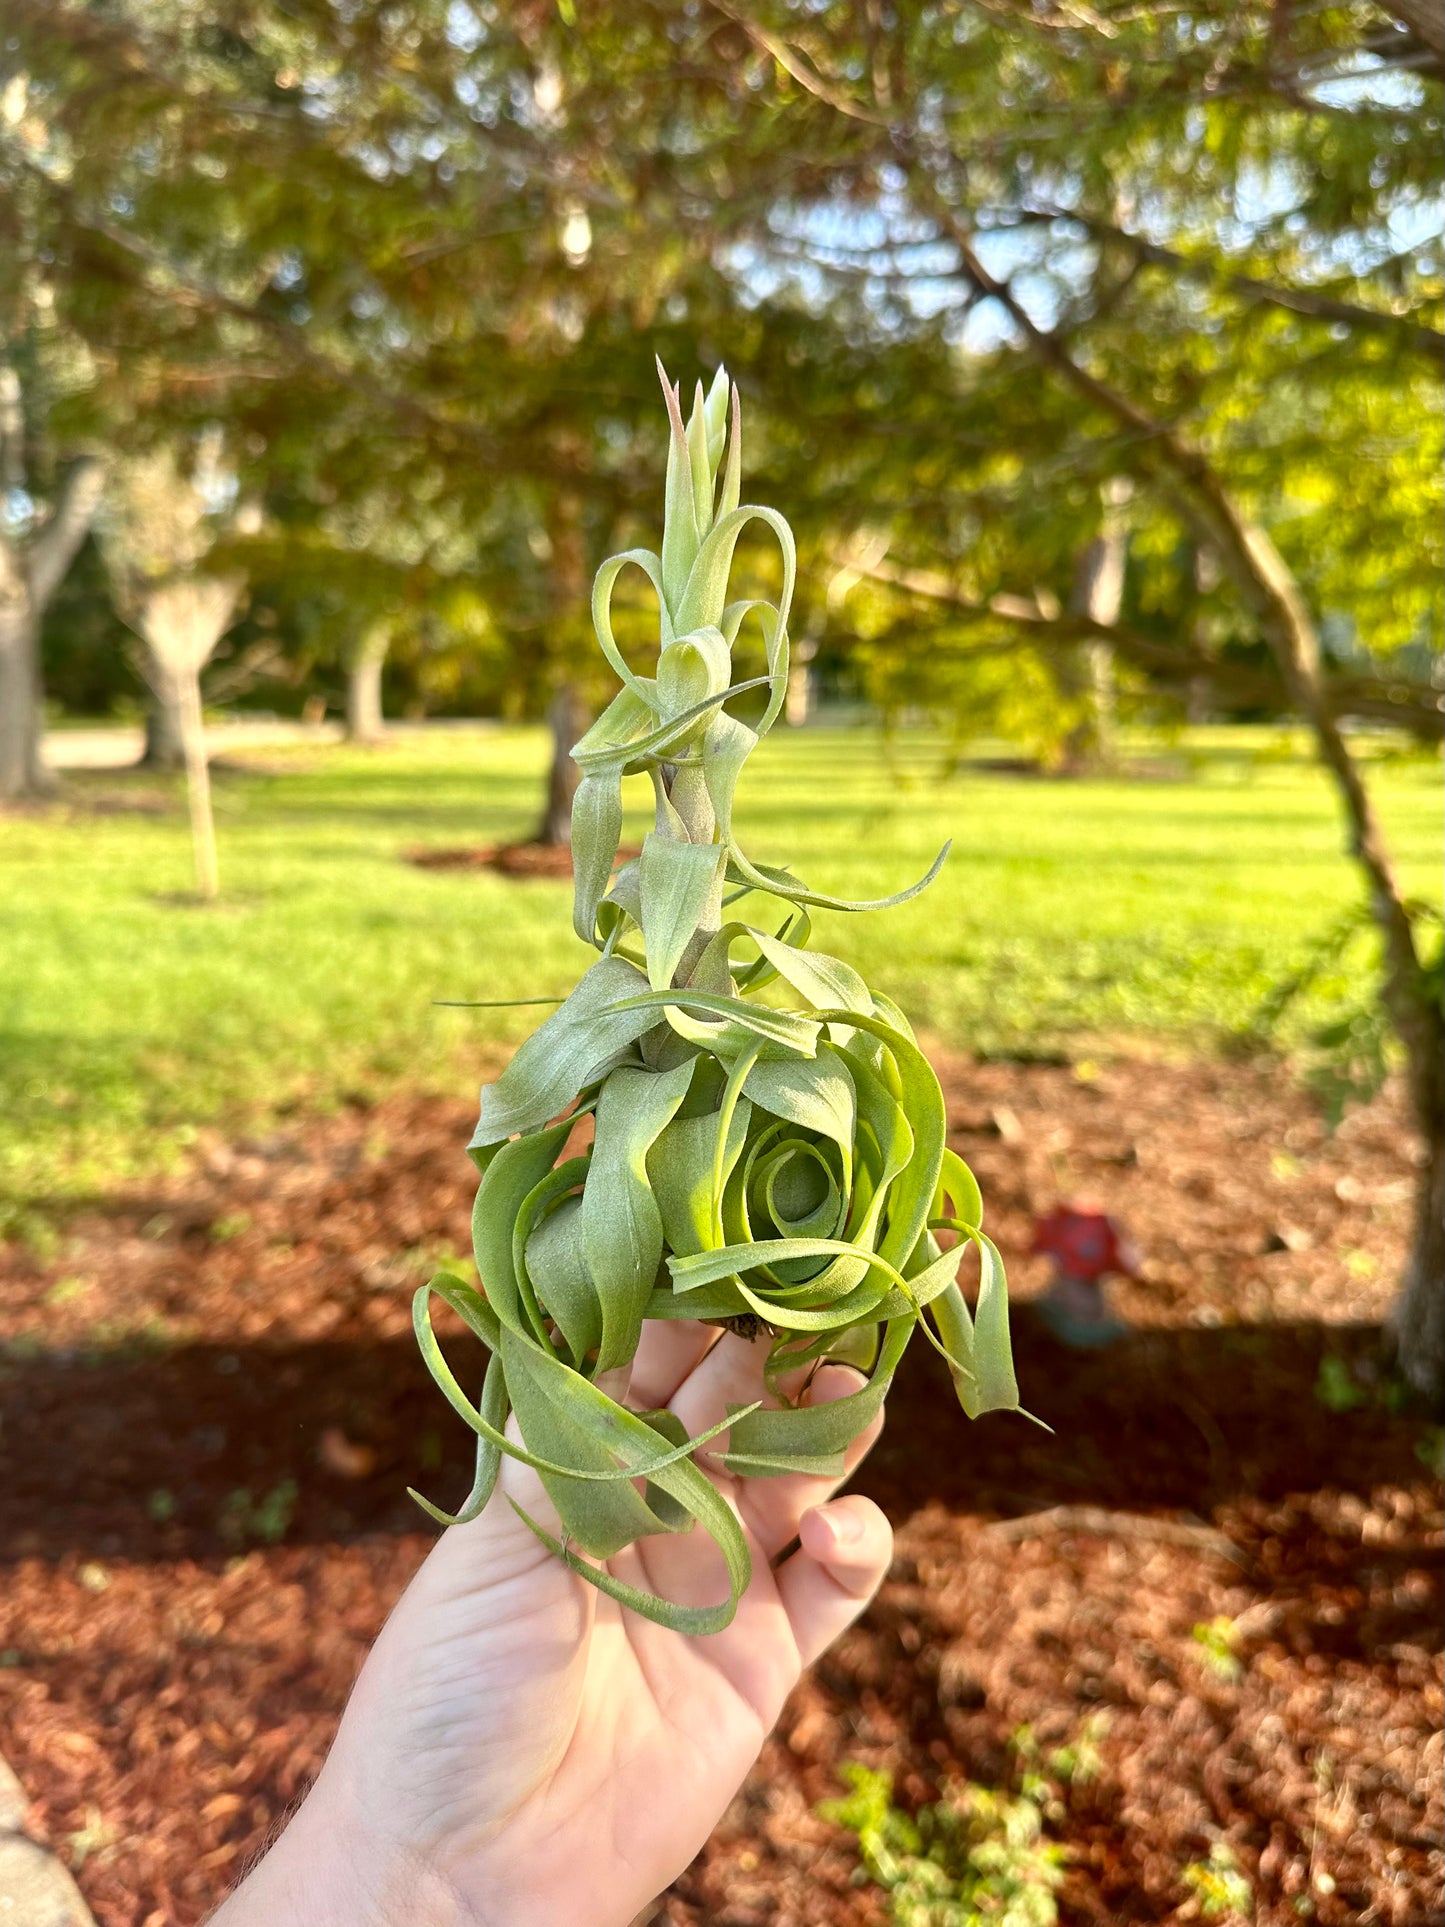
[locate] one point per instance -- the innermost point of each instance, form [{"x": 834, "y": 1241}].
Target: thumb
[{"x": 844, "y": 1554}]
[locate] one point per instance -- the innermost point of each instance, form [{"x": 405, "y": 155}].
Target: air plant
[{"x": 776, "y": 1166}]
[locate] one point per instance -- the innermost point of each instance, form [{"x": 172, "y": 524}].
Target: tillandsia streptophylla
[{"x": 777, "y": 1167}]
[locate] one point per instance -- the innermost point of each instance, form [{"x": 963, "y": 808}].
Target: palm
[{"x": 562, "y": 1756}]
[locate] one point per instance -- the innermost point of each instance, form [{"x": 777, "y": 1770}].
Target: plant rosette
[{"x": 768, "y": 1143}]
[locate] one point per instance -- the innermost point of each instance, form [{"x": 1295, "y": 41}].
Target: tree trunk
[
  {"x": 1418, "y": 1319},
  {"x": 181, "y": 619},
  {"x": 568, "y": 719},
  {"x": 1087, "y": 673},
  {"x": 29, "y": 576},
  {"x": 364, "y": 720},
  {"x": 1411, "y": 998},
  {"x": 567, "y": 713},
  {"x": 198, "y": 787},
  {"x": 165, "y": 744},
  {"x": 798, "y": 704},
  {"x": 21, "y": 771}
]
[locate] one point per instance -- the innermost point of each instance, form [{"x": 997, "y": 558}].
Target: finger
[
  {"x": 773, "y": 1507},
  {"x": 731, "y": 1373},
  {"x": 669, "y": 1349},
  {"x": 498, "y": 1554},
  {"x": 523, "y": 1482},
  {"x": 846, "y": 1547}
]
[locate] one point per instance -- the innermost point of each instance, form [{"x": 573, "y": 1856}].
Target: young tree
[
  {"x": 157, "y": 536},
  {"x": 365, "y": 662}
]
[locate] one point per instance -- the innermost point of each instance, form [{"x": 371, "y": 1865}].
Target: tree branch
[
  {"x": 1305, "y": 301},
  {"x": 1424, "y": 18},
  {"x": 53, "y": 549},
  {"x": 793, "y": 64},
  {"x": 1418, "y": 707}
]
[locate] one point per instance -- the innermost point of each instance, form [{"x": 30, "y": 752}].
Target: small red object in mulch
[
  {"x": 507, "y": 859},
  {"x": 1085, "y": 1244}
]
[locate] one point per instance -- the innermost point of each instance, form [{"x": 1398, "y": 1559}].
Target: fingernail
[{"x": 845, "y": 1525}]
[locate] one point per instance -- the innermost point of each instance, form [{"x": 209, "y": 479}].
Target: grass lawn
[{"x": 128, "y": 1018}]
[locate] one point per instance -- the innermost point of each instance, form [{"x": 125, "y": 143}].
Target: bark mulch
[
  {"x": 507, "y": 859},
  {"x": 211, "y": 1407}
]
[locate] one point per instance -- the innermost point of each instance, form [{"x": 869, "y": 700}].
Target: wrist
[{"x": 323, "y": 1872}]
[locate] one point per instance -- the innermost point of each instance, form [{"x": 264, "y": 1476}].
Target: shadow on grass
[{"x": 201, "y": 1450}]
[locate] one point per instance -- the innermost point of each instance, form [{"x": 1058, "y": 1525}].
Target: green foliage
[
  {"x": 1336, "y": 1387},
  {"x": 1224, "y": 1893},
  {"x": 1080, "y": 1762},
  {"x": 777, "y": 1168},
  {"x": 389, "y": 248},
  {"x": 266, "y": 1519},
  {"x": 976, "y": 1858},
  {"x": 1218, "y": 1643},
  {"x": 1341, "y": 1389},
  {"x": 1347, "y": 1054},
  {"x": 231, "y": 1224},
  {"x": 1077, "y": 1763}
]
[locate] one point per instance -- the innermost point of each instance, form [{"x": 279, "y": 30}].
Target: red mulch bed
[
  {"x": 508, "y": 859},
  {"x": 169, "y": 1677}
]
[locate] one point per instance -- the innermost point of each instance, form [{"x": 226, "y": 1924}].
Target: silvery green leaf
[
  {"x": 493, "y": 1413},
  {"x": 514, "y": 1171},
  {"x": 981, "y": 1339},
  {"x": 626, "y": 891},
  {"x": 697, "y": 440},
  {"x": 621, "y": 1224},
  {"x": 596, "y": 833},
  {"x": 565, "y": 1052},
  {"x": 779, "y": 883},
  {"x": 560, "y": 1426},
  {"x": 775, "y": 643},
  {"x": 732, "y": 488},
  {"x": 639, "y": 752},
  {"x": 784, "y": 1028},
  {"x": 790, "y": 1440},
  {"x": 727, "y": 747},
  {"x": 691, "y": 671},
  {"x": 957, "y": 1182},
  {"x": 683, "y": 1169},
  {"x": 706, "y": 593},
  {"x": 556, "y": 1260},
  {"x": 676, "y": 883},
  {"x": 632, "y": 713},
  {"x": 823, "y": 981},
  {"x": 680, "y": 534},
  {"x": 602, "y": 587},
  {"x": 817, "y": 1095},
  {"x": 715, "y": 413}
]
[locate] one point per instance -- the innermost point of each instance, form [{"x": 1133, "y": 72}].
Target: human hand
[{"x": 520, "y": 1750}]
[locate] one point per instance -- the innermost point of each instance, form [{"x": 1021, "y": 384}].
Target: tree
[
  {"x": 157, "y": 537},
  {"x": 1217, "y": 368},
  {"x": 36, "y": 548},
  {"x": 364, "y": 720},
  {"x": 1097, "y": 596}
]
